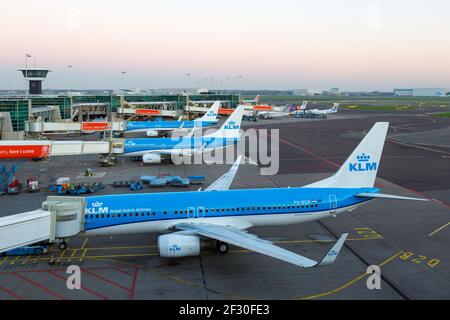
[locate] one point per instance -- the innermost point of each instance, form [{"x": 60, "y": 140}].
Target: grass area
[
  {"x": 442, "y": 115},
  {"x": 380, "y": 108},
  {"x": 364, "y": 103},
  {"x": 426, "y": 100}
]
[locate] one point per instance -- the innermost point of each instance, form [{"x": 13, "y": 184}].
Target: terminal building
[
  {"x": 16, "y": 111},
  {"x": 420, "y": 92}
]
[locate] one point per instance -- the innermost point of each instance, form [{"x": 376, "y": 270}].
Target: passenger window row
[{"x": 212, "y": 210}]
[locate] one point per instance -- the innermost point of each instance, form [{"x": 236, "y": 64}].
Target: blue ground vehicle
[
  {"x": 76, "y": 190},
  {"x": 136, "y": 186},
  {"x": 27, "y": 250}
]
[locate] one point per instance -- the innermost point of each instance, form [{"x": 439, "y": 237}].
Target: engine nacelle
[
  {"x": 151, "y": 158},
  {"x": 152, "y": 133},
  {"x": 178, "y": 245}
]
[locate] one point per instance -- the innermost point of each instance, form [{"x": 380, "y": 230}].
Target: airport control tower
[{"x": 34, "y": 77}]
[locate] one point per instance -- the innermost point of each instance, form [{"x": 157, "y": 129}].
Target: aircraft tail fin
[
  {"x": 231, "y": 127},
  {"x": 303, "y": 106},
  {"x": 335, "y": 107},
  {"x": 212, "y": 113},
  {"x": 360, "y": 169}
]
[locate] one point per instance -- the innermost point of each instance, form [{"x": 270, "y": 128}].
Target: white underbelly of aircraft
[{"x": 241, "y": 222}]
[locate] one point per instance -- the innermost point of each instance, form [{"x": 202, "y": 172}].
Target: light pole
[
  {"x": 240, "y": 85},
  {"x": 123, "y": 81},
  {"x": 26, "y": 74},
  {"x": 188, "y": 77},
  {"x": 68, "y": 79}
]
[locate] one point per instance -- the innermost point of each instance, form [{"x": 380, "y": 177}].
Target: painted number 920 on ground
[{"x": 410, "y": 256}]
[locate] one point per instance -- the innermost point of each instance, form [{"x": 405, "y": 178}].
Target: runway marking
[
  {"x": 38, "y": 285},
  {"x": 83, "y": 247},
  {"x": 3, "y": 261},
  {"x": 14, "y": 261},
  {"x": 74, "y": 251},
  {"x": 439, "y": 229},
  {"x": 95, "y": 293},
  {"x": 348, "y": 284},
  {"x": 106, "y": 280},
  {"x": 415, "y": 146},
  {"x": 25, "y": 260},
  {"x": 84, "y": 255},
  {"x": 62, "y": 254},
  {"x": 12, "y": 293},
  {"x": 133, "y": 283},
  {"x": 334, "y": 164}
]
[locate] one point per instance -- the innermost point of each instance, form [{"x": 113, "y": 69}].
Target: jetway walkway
[
  {"x": 59, "y": 218},
  {"x": 39, "y": 149},
  {"x": 40, "y": 127}
]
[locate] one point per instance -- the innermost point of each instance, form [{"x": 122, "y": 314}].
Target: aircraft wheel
[
  {"x": 62, "y": 245},
  {"x": 222, "y": 247}
]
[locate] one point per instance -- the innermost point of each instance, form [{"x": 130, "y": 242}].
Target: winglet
[
  {"x": 225, "y": 181},
  {"x": 331, "y": 256}
]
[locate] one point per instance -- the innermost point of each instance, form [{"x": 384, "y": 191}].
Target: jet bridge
[{"x": 59, "y": 218}]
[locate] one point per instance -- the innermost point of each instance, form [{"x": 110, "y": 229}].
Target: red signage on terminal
[
  {"x": 149, "y": 112},
  {"x": 95, "y": 126},
  {"x": 29, "y": 152},
  {"x": 262, "y": 108},
  {"x": 225, "y": 111}
]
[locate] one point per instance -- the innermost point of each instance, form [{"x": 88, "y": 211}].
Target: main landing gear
[
  {"x": 222, "y": 247},
  {"x": 62, "y": 245}
]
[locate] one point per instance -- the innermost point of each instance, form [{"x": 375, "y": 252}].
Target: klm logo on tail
[
  {"x": 363, "y": 164},
  {"x": 211, "y": 114},
  {"x": 231, "y": 126}
]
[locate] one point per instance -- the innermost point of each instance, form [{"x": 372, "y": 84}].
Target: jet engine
[
  {"x": 178, "y": 245},
  {"x": 151, "y": 158},
  {"x": 152, "y": 133}
]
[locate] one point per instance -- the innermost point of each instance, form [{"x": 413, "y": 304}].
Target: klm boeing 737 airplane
[
  {"x": 224, "y": 215},
  {"x": 155, "y": 149},
  {"x": 156, "y": 128}
]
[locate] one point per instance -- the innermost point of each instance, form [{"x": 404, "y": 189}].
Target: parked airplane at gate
[
  {"x": 156, "y": 128},
  {"x": 277, "y": 114},
  {"x": 323, "y": 112},
  {"x": 156, "y": 149},
  {"x": 224, "y": 215}
]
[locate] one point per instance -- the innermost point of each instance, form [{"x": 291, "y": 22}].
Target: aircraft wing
[
  {"x": 225, "y": 181},
  {"x": 249, "y": 241}
]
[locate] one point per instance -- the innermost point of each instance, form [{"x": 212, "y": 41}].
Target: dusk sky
[{"x": 284, "y": 44}]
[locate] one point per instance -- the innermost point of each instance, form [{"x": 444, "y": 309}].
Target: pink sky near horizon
[{"x": 284, "y": 44}]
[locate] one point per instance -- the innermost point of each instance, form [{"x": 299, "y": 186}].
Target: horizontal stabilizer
[{"x": 387, "y": 196}]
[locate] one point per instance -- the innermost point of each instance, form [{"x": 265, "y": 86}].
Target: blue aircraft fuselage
[
  {"x": 155, "y": 212},
  {"x": 140, "y": 146},
  {"x": 167, "y": 125}
]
